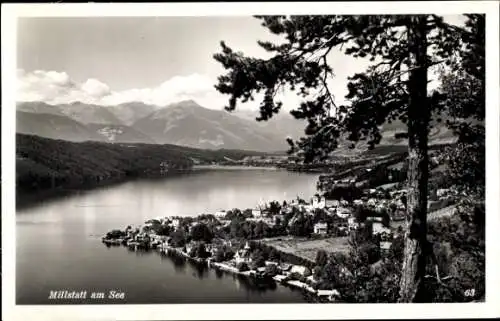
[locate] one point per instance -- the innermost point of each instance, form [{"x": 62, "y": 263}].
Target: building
[
  {"x": 277, "y": 218},
  {"x": 352, "y": 224},
  {"x": 379, "y": 228},
  {"x": 385, "y": 247},
  {"x": 380, "y": 207},
  {"x": 332, "y": 203},
  {"x": 330, "y": 295},
  {"x": 220, "y": 214},
  {"x": 343, "y": 212},
  {"x": 320, "y": 228},
  {"x": 358, "y": 202},
  {"x": 256, "y": 213},
  {"x": 243, "y": 256},
  {"x": 343, "y": 229},
  {"x": 175, "y": 223},
  {"x": 318, "y": 202},
  {"x": 300, "y": 269}
]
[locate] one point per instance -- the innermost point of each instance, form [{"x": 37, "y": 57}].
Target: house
[
  {"x": 343, "y": 229},
  {"x": 277, "y": 218},
  {"x": 175, "y": 223},
  {"x": 268, "y": 263},
  {"x": 285, "y": 267},
  {"x": 380, "y": 207},
  {"x": 314, "y": 200},
  {"x": 352, "y": 224},
  {"x": 190, "y": 247},
  {"x": 385, "y": 246},
  {"x": 320, "y": 228},
  {"x": 358, "y": 202},
  {"x": 190, "y": 227},
  {"x": 243, "y": 256},
  {"x": 300, "y": 269},
  {"x": 371, "y": 202},
  {"x": 398, "y": 215},
  {"x": 220, "y": 214},
  {"x": 374, "y": 219},
  {"x": 225, "y": 222},
  {"x": 318, "y": 202},
  {"x": 442, "y": 192},
  {"x": 332, "y": 203},
  {"x": 256, "y": 213},
  {"x": 343, "y": 212},
  {"x": 379, "y": 228},
  {"x": 331, "y": 295},
  {"x": 308, "y": 208}
]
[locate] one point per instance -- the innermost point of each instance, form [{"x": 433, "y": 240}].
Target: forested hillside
[{"x": 46, "y": 163}]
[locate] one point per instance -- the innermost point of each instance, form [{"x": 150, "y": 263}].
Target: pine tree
[{"x": 402, "y": 49}]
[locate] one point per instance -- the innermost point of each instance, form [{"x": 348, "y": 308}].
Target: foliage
[
  {"x": 242, "y": 267},
  {"x": 114, "y": 234},
  {"x": 274, "y": 207},
  {"x": 44, "y": 163},
  {"x": 464, "y": 89},
  {"x": 201, "y": 251},
  {"x": 301, "y": 225},
  {"x": 321, "y": 258},
  {"x": 178, "y": 238},
  {"x": 339, "y": 192},
  {"x": 223, "y": 253},
  {"x": 272, "y": 270},
  {"x": 201, "y": 232},
  {"x": 393, "y": 88}
]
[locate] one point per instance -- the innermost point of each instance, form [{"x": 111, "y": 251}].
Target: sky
[{"x": 155, "y": 60}]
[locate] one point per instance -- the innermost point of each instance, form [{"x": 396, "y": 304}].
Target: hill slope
[
  {"x": 188, "y": 124},
  {"x": 129, "y": 113},
  {"x": 43, "y": 163},
  {"x": 54, "y": 126}
]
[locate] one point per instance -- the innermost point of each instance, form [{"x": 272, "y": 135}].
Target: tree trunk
[{"x": 415, "y": 248}]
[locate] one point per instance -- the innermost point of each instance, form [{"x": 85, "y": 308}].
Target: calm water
[{"x": 59, "y": 248}]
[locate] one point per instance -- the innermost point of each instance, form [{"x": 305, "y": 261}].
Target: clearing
[{"x": 307, "y": 248}]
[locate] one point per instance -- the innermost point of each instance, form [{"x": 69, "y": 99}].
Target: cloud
[{"x": 55, "y": 87}]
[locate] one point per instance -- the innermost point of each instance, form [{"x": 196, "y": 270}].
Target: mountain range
[{"x": 184, "y": 123}]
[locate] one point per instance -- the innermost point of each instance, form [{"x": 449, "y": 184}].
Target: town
[{"x": 285, "y": 241}]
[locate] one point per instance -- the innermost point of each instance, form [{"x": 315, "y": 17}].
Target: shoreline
[
  {"x": 279, "y": 279},
  {"x": 27, "y": 199},
  {"x": 235, "y": 167}
]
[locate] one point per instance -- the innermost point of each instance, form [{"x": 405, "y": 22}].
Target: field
[{"x": 307, "y": 248}]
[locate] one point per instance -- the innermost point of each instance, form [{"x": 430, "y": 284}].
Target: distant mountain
[
  {"x": 54, "y": 126},
  {"x": 119, "y": 134},
  {"x": 87, "y": 114},
  {"x": 39, "y": 107},
  {"x": 187, "y": 123},
  {"x": 184, "y": 123},
  {"x": 48, "y": 121},
  {"x": 82, "y": 113},
  {"x": 283, "y": 123},
  {"x": 129, "y": 113}
]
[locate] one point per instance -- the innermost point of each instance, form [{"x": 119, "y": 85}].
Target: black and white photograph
[{"x": 328, "y": 158}]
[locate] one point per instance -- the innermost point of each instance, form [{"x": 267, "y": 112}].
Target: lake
[{"x": 58, "y": 245}]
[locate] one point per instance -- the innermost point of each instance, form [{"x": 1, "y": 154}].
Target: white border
[{"x": 10, "y": 311}]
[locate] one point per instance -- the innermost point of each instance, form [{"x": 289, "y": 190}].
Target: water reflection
[
  {"x": 60, "y": 228},
  {"x": 179, "y": 263}
]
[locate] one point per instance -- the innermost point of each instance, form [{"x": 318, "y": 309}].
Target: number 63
[{"x": 469, "y": 292}]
